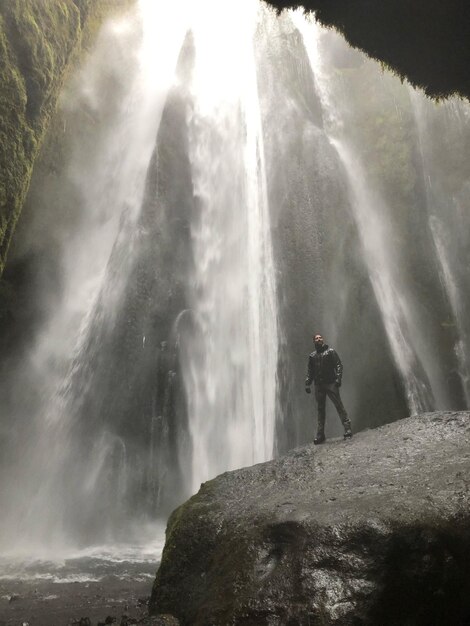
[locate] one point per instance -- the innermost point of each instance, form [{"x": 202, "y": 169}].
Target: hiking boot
[
  {"x": 348, "y": 434},
  {"x": 319, "y": 439}
]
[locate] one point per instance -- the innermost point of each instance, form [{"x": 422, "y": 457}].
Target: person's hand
[
  {"x": 308, "y": 390},
  {"x": 338, "y": 383}
]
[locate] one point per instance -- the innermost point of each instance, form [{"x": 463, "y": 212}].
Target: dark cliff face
[
  {"x": 426, "y": 42},
  {"x": 37, "y": 43}
]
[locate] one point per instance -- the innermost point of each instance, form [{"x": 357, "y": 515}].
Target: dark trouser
[{"x": 332, "y": 391}]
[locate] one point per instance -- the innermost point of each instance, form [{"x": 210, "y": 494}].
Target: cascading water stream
[
  {"x": 110, "y": 186},
  {"x": 371, "y": 217},
  {"x": 440, "y": 209},
  {"x": 223, "y": 207},
  {"x": 229, "y": 359},
  {"x": 229, "y": 364}
]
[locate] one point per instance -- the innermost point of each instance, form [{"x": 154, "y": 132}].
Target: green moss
[
  {"x": 8, "y": 303},
  {"x": 33, "y": 52},
  {"x": 38, "y": 42}
]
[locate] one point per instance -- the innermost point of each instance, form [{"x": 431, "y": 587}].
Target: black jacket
[{"x": 324, "y": 367}]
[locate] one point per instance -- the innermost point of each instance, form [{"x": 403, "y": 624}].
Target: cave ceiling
[{"x": 426, "y": 42}]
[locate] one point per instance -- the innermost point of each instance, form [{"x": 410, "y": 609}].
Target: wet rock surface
[
  {"x": 38, "y": 41},
  {"x": 42, "y": 603},
  {"x": 370, "y": 531}
]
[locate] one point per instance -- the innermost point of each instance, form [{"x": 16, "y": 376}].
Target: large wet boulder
[{"x": 375, "y": 530}]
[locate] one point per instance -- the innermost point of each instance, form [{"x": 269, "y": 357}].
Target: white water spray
[
  {"x": 445, "y": 218},
  {"x": 211, "y": 292},
  {"x": 108, "y": 170},
  {"x": 230, "y": 362},
  {"x": 374, "y": 230}
]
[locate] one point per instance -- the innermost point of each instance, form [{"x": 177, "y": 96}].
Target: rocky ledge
[{"x": 370, "y": 531}]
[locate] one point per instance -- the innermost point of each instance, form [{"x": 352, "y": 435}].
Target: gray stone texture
[{"x": 370, "y": 531}]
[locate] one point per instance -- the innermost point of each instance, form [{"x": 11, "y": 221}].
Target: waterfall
[
  {"x": 105, "y": 181},
  {"x": 232, "y": 181},
  {"x": 376, "y": 233},
  {"x": 230, "y": 361},
  {"x": 445, "y": 217}
]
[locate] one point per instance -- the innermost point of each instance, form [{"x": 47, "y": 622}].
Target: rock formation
[
  {"x": 428, "y": 44},
  {"x": 371, "y": 531},
  {"x": 37, "y": 43}
]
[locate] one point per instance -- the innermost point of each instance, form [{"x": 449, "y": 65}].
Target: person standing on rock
[{"x": 325, "y": 370}]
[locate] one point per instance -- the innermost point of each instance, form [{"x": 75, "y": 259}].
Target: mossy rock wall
[{"x": 38, "y": 42}]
